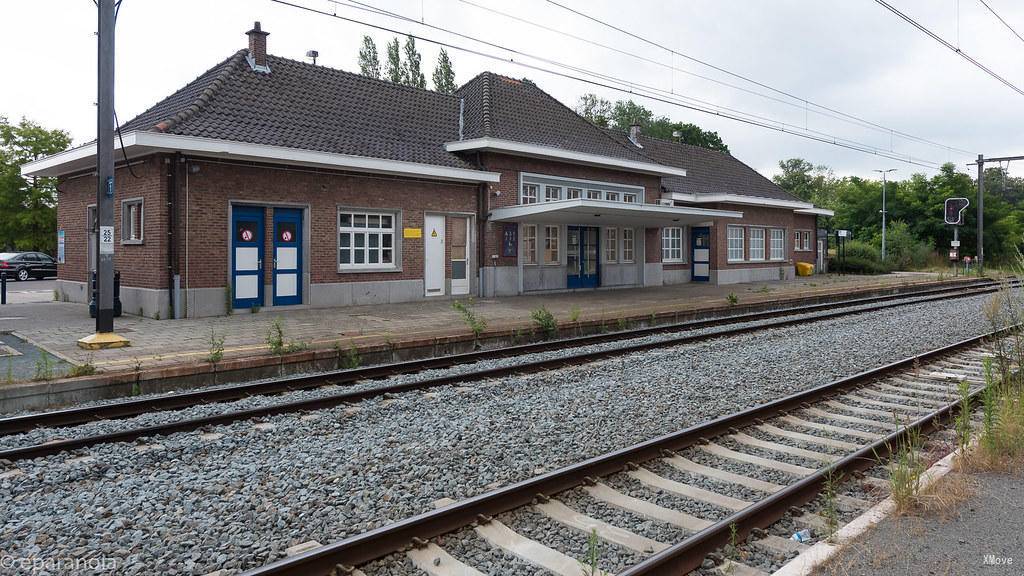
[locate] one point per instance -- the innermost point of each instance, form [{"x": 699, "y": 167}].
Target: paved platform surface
[
  {"x": 981, "y": 536},
  {"x": 30, "y": 291},
  {"x": 56, "y": 326}
]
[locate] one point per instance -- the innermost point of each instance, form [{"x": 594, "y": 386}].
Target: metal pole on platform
[{"x": 981, "y": 214}]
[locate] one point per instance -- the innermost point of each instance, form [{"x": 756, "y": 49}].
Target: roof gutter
[
  {"x": 138, "y": 143},
  {"x": 796, "y": 206},
  {"x": 549, "y": 152}
]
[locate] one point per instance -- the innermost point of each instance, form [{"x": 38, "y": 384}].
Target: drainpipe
[
  {"x": 481, "y": 223},
  {"x": 172, "y": 236}
]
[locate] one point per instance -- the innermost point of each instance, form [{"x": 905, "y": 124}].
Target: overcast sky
[{"x": 850, "y": 55}]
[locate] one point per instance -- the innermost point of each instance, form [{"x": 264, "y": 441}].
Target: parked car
[{"x": 25, "y": 265}]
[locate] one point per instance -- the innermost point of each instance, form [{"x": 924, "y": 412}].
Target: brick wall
[
  {"x": 141, "y": 265},
  {"x": 761, "y": 217},
  {"x": 215, "y": 184}
]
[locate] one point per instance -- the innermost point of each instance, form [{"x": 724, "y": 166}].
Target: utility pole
[
  {"x": 884, "y": 172},
  {"x": 981, "y": 214},
  {"x": 104, "y": 336}
]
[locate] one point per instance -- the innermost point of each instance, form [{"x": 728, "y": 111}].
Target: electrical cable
[
  {"x": 117, "y": 125},
  {"x": 1000, "y": 18}
]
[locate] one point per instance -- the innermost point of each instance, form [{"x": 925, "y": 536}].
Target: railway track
[
  {"x": 843, "y": 427},
  {"x": 130, "y": 408}
]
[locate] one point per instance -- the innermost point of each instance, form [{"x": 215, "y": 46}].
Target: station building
[{"x": 271, "y": 182}]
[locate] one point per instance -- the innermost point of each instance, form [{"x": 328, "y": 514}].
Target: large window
[
  {"x": 627, "y": 245},
  {"x": 672, "y": 244},
  {"x": 611, "y": 245},
  {"x": 552, "y": 193},
  {"x": 735, "y": 243},
  {"x": 551, "y": 237},
  {"x": 757, "y": 243},
  {"x": 131, "y": 221},
  {"x": 573, "y": 193},
  {"x": 629, "y": 197},
  {"x": 529, "y": 195},
  {"x": 802, "y": 240},
  {"x": 778, "y": 248},
  {"x": 366, "y": 240},
  {"x": 529, "y": 243}
]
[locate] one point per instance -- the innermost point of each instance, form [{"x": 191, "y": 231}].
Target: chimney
[
  {"x": 258, "y": 48},
  {"x": 634, "y": 135}
]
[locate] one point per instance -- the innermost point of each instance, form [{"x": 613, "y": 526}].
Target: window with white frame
[
  {"x": 627, "y": 245},
  {"x": 611, "y": 196},
  {"x": 805, "y": 236},
  {"x": 593, "y": 194},
  {"x": 132, "y": 217},
  {"x": 757, "y": 243},
  {"x": 529, "y": 243},
  {"x": 366, "y": 240},
  {"x": 551, "y": 238},
  {"x": 734, "y": 240},
  {"x": 672, "y": 244},
  {"x": 529, "y": 194},
  {"x": 629, "y": 197},
  {"x": 778, "y": 246},
  {"x": 572, "y": 193},
  {"x": 611, "y": 245},
  {"x": 552, "y": 193},
  {"x": 796, "y": 240}
]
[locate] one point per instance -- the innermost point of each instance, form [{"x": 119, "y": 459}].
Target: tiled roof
[
  {"x": 517, "y": 110},
  {"x": 298, "y": 105},
  {"x": 707, "y": 171}
]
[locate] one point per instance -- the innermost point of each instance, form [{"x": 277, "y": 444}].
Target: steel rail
[
  {"x": 130, "y": 408},
  {"x": 391, "y": 538},
  {"x": 332, "y": 400}
]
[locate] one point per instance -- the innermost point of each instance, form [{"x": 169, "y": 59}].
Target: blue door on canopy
[
  {"x": 287, "y": 256},
  {"x": 247, "y": 256},
  {"x": 701, "y": 257},
  {"x": 582, "y": 266}
]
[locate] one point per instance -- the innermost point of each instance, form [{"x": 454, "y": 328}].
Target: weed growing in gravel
[
  {"x": 545, "y": 321},
  {"x": 732, "y": 299},
  {"x": 829, "y": 510},
  {"x": 905, "y": 468},
  {"x": 591, "y": 561},
  {"x": 574, "y": 315},
  {"x": 44, "y": 366},
  {"x": 963, "y": 417},
  {"x": 476, "y": 324},
  {"x": 351, "y": 358},
  {"x": 621, "y": 324},
  {"x": 733, "y": 547},
  {"x": 216, "y": 348}
]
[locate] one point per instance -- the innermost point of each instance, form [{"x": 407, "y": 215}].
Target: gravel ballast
[{"x": 194, "y": 506}]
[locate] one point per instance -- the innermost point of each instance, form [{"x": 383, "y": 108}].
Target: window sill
[
  {"x": 664, "y": 261},
  {"x": 132, "y": 242},
  {"x": 374, "y": 270}
]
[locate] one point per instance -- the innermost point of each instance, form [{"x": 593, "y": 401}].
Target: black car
[{"x": 25, "y": 265}]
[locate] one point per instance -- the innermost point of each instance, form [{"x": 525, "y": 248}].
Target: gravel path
[{"x": 194, "y": 506}]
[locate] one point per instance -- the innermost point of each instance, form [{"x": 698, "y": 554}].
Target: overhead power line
[
  {"x": 946, "y": 43},
  {"x": 618, "y": 84},
  {"x": 1000, "y": 18},
  {"x": 850, "y": 117}
]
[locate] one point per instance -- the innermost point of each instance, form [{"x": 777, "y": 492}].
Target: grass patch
[{"x": 545, "y": 321}]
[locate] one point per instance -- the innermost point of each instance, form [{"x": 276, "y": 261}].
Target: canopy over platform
[{"x": 589, "y": 212}]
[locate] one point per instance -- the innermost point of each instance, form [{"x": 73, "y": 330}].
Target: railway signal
[{"x": 955, "y": 210}]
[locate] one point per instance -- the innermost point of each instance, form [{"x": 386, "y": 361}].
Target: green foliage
[
  {"x": 444, "y": 74},
  {"x": 44, "y": 366},
  {"x": 394, "y": 70},
  {"x": 216, "y": 348},
  {"x": 28, "y": 206},
  {"x": 475, "y": 323},
  {"x": 369, "y": 63},
  {"x": 815, "y": 184},
  {"x": 861, "y": 258},
  {"x": 591, "y": 563},
  {"x": 545, "y": 320},
  {"x": 624, "y": 113},
  {"x": 411, "y": 65},
  {"x": 963, "y": 417},
  {"x": 350, "y": 359},
  {"x": 87, "y": 368},
  {"x": 275, "y": 337},
  {"x": 903, "y": 250},
  {"x": 906, "y": 465},
  {"x": 830, "y": 509},
  {"x": 732, "y": 298}
]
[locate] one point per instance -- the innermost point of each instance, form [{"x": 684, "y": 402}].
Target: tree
[
  {"x": 411, "y": 66},
  {"x": 369, "y": 64},
  {"x": 625, "y": 113},
  {"x": 815, "y": 184},
  {"x": 28, "y": 207},
  {"x": 444, "y": 75},
  {"x": 597, "y": 110},
  {"x": 395, "y": 71}
]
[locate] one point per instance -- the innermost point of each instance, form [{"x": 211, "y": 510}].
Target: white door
[
  {"x": 460, "y": 255},
  {"x": 433, "y": 258}
]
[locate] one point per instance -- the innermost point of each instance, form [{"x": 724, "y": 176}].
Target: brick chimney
[{"x": 258, "y": 48}]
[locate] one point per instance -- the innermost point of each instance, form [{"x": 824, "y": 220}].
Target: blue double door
[
  {"x": 249, "y": 259},
  {"x": 583, "y": 267}
]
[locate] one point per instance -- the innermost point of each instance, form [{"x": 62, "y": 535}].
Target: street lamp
[{"x": 883, "y": 173}]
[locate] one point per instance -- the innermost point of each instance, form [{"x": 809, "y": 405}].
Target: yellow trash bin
[{"x": 804, "y": 269}]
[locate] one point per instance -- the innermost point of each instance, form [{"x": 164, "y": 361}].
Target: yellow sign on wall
[{"x": 412, "y": 233}]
